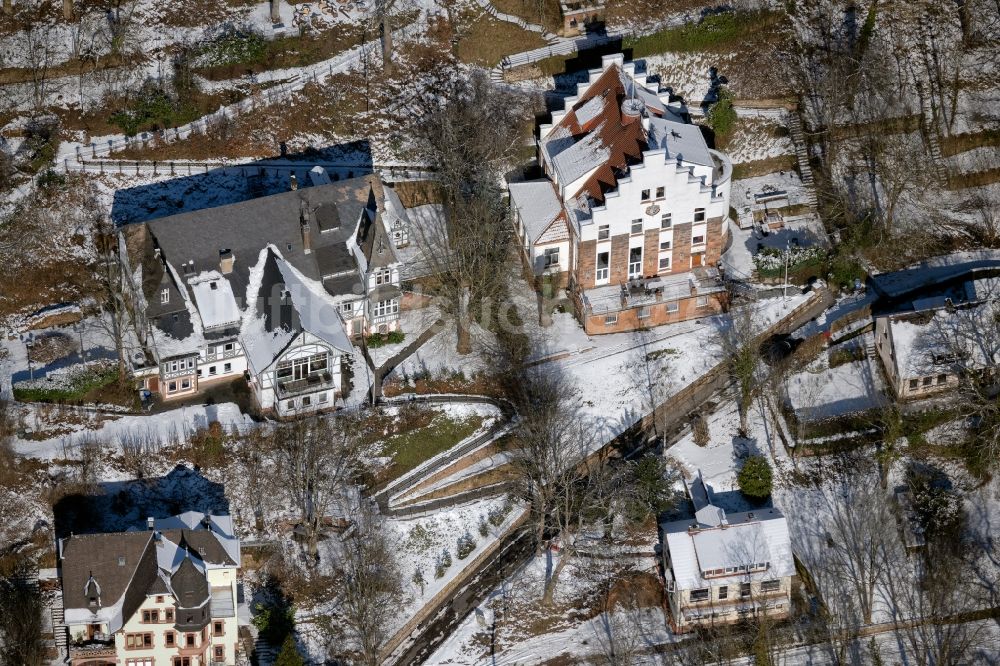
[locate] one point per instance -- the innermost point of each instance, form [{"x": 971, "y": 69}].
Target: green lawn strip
[
  {"x": 711, "y": 33},
  {"x": 410, "y": 449}
]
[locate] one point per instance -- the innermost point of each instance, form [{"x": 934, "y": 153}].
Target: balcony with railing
[
  {"x": 639, "y": 292},
  {"x": 312, "y": 382},
  {"x": 95, "y": 649}
]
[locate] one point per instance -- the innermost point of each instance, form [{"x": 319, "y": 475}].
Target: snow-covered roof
[
  {"x": 167, "y": 343},
  {"x": 591, "y": 109},
  {"x": 925, "y": 345},
  {"x": 316, "y": 313},
  {"x": 749, "y": 539},
  {"x": 537, "y": 205},
  {"x": 682, "y": 141},
  {"x": 579, "y": 159},
  {"x": 319, "y": 176},
  {"x": 213, "y": 295}
]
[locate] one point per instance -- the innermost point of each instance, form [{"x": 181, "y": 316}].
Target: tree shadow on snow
[
  {"x": 196, "y": 188},
  {"x": 117, "y": 506}
]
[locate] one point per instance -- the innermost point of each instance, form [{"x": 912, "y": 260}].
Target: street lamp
[
  {"x": 28, "y": 340},
  {"x": 83, "y": 350}
]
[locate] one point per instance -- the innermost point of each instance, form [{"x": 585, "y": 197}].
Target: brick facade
[
  {"x": 651, "y": 253},
  {"x": 619, "y": 258},
  {"x": 713, "y": 241},
  {"x": 628, "y": 320},
  {"x": 681, "y": 262},
  {"x": 587, "y": 265}
]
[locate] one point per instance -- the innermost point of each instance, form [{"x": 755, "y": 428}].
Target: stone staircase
[
  {"x": 929, "y": 121},
  {"x": 264, "y": 654},
  {"x": 59, "y": 630},
  {"x": 802, "y": 155}
]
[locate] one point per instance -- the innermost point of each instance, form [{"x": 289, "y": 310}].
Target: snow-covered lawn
[
  {"x": 757, "y": 139},
  {"x": 822, "y": 392}
]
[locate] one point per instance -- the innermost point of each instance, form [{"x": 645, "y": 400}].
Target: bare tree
[
  {"x": 382, "y": 13},
  {"x": 371, "y": 586},
  {"x": 971, "y": 336},
  {"x": 318, "y": 459},
  {"x": 20, "y": 614},
  {"x": 557, "y": 476},
  {"x": 741, "y": 339},
  {"x": 468, "y": 250},
  {"x": 930, "y": 599},
  {"x": 862, "y": 544},
  {"x": 116, "y": 318},
  {"x": 40, "y": 54},
  {"x": 255, "y": 483}
]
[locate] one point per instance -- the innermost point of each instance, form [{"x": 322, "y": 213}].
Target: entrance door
[
  {"x": 696, "y": 259},
  {"x": 300, "y": 368}
]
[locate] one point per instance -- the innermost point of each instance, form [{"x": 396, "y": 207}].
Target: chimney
[
  {"x": 631, "y": 111},
  {"x": 150, "y": 523},
  {"x": 304, "y": 224},
  {"x": 293, "y": 182},
  {"x": 226, "y": 259}
]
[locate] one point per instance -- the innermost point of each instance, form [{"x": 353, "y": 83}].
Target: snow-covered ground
[
  {"x": 173, "y": 426},
  {"x": 570, "y": 632},
  {"x": 800, "y": 231},
  {"x": 413, "y": 323},
  {"x": 822, "y": 392}
]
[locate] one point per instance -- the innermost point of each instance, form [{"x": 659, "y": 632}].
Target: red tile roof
[{"x": 625, "y": 140}]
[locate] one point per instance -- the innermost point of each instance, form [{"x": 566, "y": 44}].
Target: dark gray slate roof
[{"x": 246, "y": 228}]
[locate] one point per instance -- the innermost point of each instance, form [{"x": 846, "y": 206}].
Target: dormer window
[{"x": 165, "y": 296}]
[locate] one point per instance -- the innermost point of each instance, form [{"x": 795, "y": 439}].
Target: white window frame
[
  {"x": 701, "y": 301},
  {"x": 672, "y": 307},
  {"x": 602, "y": 274},
  {"x": 635, "y": 267},
  {"x": 164, "y": 296},
  {"x": 698, "y": 240},
  {"x": 603, "y": 232},
  {"x": 611, "y": 319},
  {"x": 636, "y": 222},
  {"x": 666, "y": 221},
  {"x": 665, "y": 266},
  {"x": 699, "y": 214},
  {"x": 644, "y": 195},
  {"x": 644, "y": 312},
  {"x": 383, "y": 308},
  {"x": 665, "y": 245}
]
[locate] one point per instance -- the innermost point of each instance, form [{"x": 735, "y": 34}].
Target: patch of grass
[
  {"x": 484, "y": 41},
  {"x": 545, "y": 13},
  {"x": 712, "y": 33},
  {"x": 413, "y": 193},
  {"x": 240, "y": 53},
  {"x": 763, "y": 167},
  {"x": 154, "y": 109},
  {"x": 410, "y": 449}
]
